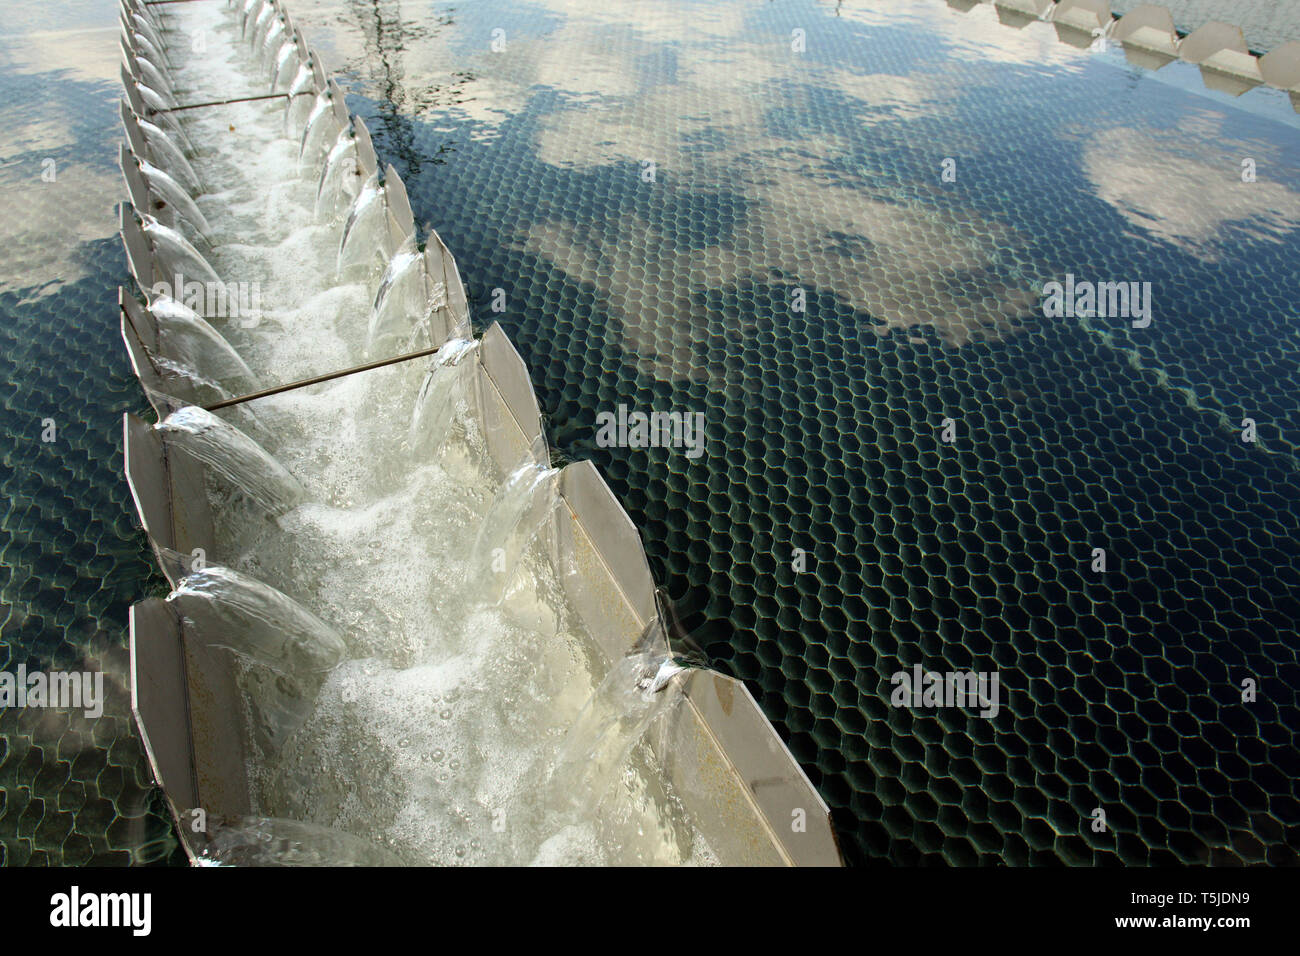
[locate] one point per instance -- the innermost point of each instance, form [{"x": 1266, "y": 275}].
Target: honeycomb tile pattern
[
  {"x": 1121, "y": 690},
  {"x": 73, "y": 790}
]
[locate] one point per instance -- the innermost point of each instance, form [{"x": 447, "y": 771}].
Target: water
[
  {"x": 168, "y": 189},
  {"x": 364, "y": 245},
  {"x": 530, "y": 166},
  {"x": 237, "y": 458},
  {"x": 232, "y": 610},
  {"x": 169, "y": 156},
  {"x": 319, "y": 131},
  {"x": 401, "y": 305},
  {"x": 146, "y": 40},
  {"x": 155, "y": 99},
  {"x": 285, "y": 650},
  {"x": 151, "y": 76},
  {"x": 186, "y": 337},
  {"x": 175, "y": 255},
  {"x": 261, "y": 841},
  {"x": 302, "y": 102},
  {"x": 435, "y": 706},
  {"x": 284, "y": 68},
  {"x": 820, "y": 174},
  {"x": 339, "y": 182},
  {"x": 525, "y": 504},
  {"x": 270, "y": 40},
  {"x": 156, "y": 45},
  {"x": 193, "y": 385},
  {"x": 638, "y": 690},
  {"x": 447, "y": 398}
]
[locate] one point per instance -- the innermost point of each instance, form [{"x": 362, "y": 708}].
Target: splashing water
[
  {"x": 170, "y": 125},
  {"x": 524, "y": 505},
  {"x": 402, "y": 303},
  {"x": 168, "y": 189},
  {"x": 176, "y": 256},
  {"x": 635, "y": 692},
  {"x": 446, "y": 395},
  {"x": 300, "y": 102},
  {"x": 154, "y": 99},
  {"x": 286, "y": 650},
  {"x": 267, "y": 841},
  {"x": 285, "y": 66},
  {"x": 270, "y": 45},
  {"x": 197, "y": 386},
  {"x": 143, "y": 43},
  {"x": 340, "y": 180},
  {"x": 186, "y": 337},
  {"x": 155, "y": 78},
  {"x": 365, "y": 244},
  {"x": 261, "y": 22},
  {"x": 169, "y": 156},
  {"x": 234, "y": 456},
  {"x": 320, "y": 128},
  {"x": 235, "y": 611},
  {"x": 248, "y": 17}
]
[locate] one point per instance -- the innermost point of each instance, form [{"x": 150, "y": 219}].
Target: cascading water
[
  {"x": 447, "y": 397},
  {"x": 234, "y": 456},
  {"x": 196, "y": 385},
  {"x": 169, "y": 156},
  {"x": 152, "y": 76},
  {"x": 450, "y": 710},
  {"x": 285, "y": 66},
  {"x": 339, "y": 183},
  {"x": 285, "y": 650},
  {"x": 260, "y": 23},
  {"x": 270, "y": 44},
  {"x": 176, "y": 255},
  {"x": 301, "y": 102},
  {"x": 144, "y": 28},
  {"x": 186, "y": 337},
  {"x": 143, "y": 44},
  {"x": 155, "y": 99},
  {"x": 167, "y": 189},
  {"x": 364, "y": 247},
  {"x": 256, "y": 621},
  {"x": 635, "y": 692},
  {"x": 525, "y": 503},
  {"x": 320, "y": 130},
  {"x": 401, "y": 310}
]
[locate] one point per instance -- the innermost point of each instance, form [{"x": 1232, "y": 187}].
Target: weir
[
  {"x": 397, "y": 633},
  {"x": 1150, "y": 40}
]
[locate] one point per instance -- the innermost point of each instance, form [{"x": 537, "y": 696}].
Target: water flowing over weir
[{"x": 397, "y": 633}]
